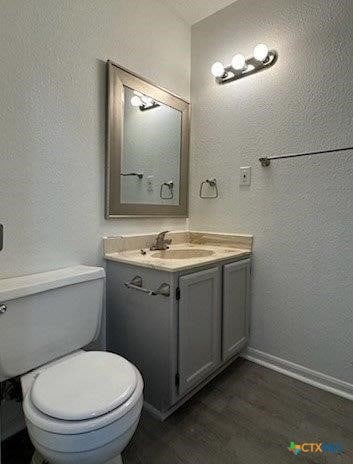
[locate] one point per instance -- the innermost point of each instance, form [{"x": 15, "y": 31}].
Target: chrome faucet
[{"x": 161, "y": 242}]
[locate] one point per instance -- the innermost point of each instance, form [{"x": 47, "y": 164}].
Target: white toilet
[{"x": 79, "y": 406}]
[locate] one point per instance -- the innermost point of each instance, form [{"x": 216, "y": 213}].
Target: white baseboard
[{"x": 314, "y": 378}]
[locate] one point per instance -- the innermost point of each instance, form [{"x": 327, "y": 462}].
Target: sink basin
[{"x": 182, "y": 254}]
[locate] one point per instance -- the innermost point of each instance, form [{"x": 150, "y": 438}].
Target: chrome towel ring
[
  {"x": 213, "y": 184},
  {"x": 170, "y": 186}
]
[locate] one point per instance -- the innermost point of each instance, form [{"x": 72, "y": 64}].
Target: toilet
[{"x": 79, "y": 406}]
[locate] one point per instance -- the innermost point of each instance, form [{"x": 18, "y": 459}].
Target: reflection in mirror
[{"x": 150, "y": 162}]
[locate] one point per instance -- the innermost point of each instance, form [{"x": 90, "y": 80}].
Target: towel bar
[{"x": 136, "y": 284}]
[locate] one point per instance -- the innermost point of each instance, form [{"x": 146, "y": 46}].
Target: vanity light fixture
[
  {"x": 143, "y": 101},
  {"x": 240, "y": 67}
]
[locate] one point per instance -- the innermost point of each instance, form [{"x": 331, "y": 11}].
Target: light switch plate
[{"x": 245, "y": 175}]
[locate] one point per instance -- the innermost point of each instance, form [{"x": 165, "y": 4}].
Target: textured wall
[
  {"x": 52, "y": 119},
  {"x": 300, "y": 211}
]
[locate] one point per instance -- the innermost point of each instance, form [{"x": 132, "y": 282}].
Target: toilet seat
[
  {"x": 89, "y": 385},
  {"x": 119, "y": 399}
]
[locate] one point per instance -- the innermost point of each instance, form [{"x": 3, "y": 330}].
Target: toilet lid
[{"x": 85, "y": 386}]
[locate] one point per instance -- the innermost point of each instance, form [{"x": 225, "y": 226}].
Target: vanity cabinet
[{"x": 182, "y": 340}]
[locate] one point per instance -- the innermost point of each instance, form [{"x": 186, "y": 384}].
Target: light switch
[{"x": 245, "y": 175}]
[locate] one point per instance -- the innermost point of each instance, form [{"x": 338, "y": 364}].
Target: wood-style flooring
[{"x": 247, "y": 415}]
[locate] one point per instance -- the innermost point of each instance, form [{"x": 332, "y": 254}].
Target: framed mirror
[{"x": 147, "y": 148}]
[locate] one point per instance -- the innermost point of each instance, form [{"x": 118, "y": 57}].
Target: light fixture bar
[
  {"x": 143, "y": 102},
  {"x": 149, "y": 107},
  {"x": 252, "y": 66}
]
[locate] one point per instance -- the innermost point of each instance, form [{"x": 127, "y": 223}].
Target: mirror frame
[{"x": 117, "y": 78}]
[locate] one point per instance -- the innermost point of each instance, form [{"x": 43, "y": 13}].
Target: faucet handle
[{"x": 161, "y": 243}]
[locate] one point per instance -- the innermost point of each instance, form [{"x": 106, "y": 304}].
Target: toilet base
[{"x": 38, "y": 459}]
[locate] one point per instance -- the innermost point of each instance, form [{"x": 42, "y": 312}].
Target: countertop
[{"x": 149, "y": 260}]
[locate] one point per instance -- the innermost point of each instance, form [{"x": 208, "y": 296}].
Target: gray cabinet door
[
  {"x": 199, "y": 327},
  {"x": 236, "y": 284}
]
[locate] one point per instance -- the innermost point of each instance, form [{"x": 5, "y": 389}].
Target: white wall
[
  {"x": 300, "y": 211},
  {"x": 52, "y": 119}
]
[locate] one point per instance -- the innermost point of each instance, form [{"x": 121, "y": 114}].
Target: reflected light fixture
[
  {"x": 148, "y": 101},
  {"x": 136, "y": 101},
  {"x": 143, "y": 102},
  {"x": 240, "y": 67}
]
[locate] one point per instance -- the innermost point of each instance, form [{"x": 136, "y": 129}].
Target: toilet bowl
[
  {"x": 79, "y": 406},
  {"x": 83, "y": 408}
]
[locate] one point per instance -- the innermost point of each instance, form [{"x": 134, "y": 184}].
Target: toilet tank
[{"x": 48, "y": 315}]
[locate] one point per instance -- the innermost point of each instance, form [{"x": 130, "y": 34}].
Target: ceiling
[{"x": 195, "y": 10}]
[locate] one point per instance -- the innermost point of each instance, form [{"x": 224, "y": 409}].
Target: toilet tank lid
[{"x": 18, "y": 287}]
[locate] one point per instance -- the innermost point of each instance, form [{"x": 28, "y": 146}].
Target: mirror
[{"x": 147, "y": 148}]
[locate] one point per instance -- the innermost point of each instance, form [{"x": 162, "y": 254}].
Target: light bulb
[
  {"x": 238, "y": 62},
  {"x": 261, "y": 52},
  {"x": 136, "y": 101},
  {"x": 147, "y": 100},
  {"x": 217, "y": 69}
]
